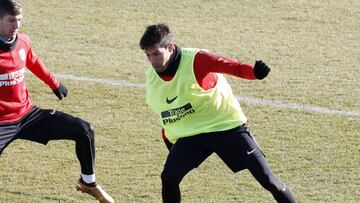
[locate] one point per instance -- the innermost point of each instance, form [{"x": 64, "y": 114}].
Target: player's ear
[{"x": 170, "y": 47}]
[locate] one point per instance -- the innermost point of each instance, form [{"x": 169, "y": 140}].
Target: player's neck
[
  {"x": 173, "y": 63},
  {"x": 8, "y": 41},
  {"x": 7, "y": 45}
]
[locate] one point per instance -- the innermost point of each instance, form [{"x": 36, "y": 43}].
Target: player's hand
[
  {"x": 261, "y": 70},
  {"x": 61, "y": 91}
]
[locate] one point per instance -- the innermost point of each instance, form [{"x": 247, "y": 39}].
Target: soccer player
[
  {"x": 186, "y": 88},
  {"x": 20, "y": 119}
]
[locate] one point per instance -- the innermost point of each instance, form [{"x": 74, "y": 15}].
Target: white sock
[{"x": 88, "y": 178}]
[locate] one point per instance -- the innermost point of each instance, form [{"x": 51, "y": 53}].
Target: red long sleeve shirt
[
  {"x": 14, "y": 95},
  {"x": 206, "y": 64}
]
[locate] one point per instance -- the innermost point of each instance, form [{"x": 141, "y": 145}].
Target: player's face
[
  {"x": 159, "y": 56},
  {"x": 9, "y": 26}
]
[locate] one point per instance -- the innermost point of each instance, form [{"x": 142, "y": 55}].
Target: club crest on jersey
[{"x": 22, "y": 54}]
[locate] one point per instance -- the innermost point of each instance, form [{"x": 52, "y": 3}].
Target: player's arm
[
  {"x": 36, "y": 66},
  {"x": 212, "y": 62}
]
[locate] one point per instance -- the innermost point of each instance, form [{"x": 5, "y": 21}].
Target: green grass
[{"x": 312, "y": 47}]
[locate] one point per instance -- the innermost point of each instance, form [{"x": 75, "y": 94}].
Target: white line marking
[
  {"x": 248, "y": 100},
  {"x": 301, "y": 107},
  {"x": 101, "y": 81}
]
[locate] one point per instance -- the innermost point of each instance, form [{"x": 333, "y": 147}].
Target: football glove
[
  {"x": 261, "y": 70},
  {"x": 61, "y": 91}
]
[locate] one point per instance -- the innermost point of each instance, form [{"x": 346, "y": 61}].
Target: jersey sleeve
[
  {"x": 210, "y": 62},
  {"x": 36, "y": 66}
]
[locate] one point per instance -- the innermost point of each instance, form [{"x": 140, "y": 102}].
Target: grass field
[{"x": 312, "y": 47}]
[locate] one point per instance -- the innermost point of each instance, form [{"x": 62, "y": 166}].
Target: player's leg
[
  {"x": 10, "y": 131},
  {"x": 7, "y": 135},
  {"x": 260, "y": 169},
  {"x": 239, "y": 150},
  {"x": 55, "y": 125},
  {"x": 45, "y": 125},
  {"x": 184, "y": 156}
]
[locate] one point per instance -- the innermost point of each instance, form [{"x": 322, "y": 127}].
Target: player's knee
[
  {"x": 90, "y": 132},
  {"x": 271, "y": 184},
  {"x": 170, "y": 178},
  {"x": 87, "y": 131}
]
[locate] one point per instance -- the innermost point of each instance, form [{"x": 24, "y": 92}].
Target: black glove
[
  {"x": 261, "y": 70},
  {"x": 61, "y": 91}
]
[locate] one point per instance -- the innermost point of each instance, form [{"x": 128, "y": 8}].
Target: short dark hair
[
  {"x": 156, "y": 34},
  {"x": 11, "y": 7}
]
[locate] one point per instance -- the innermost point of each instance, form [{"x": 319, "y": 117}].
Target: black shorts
[
  {"x": 236, "y": 147},
  {"x": 41, "y": 125}
]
